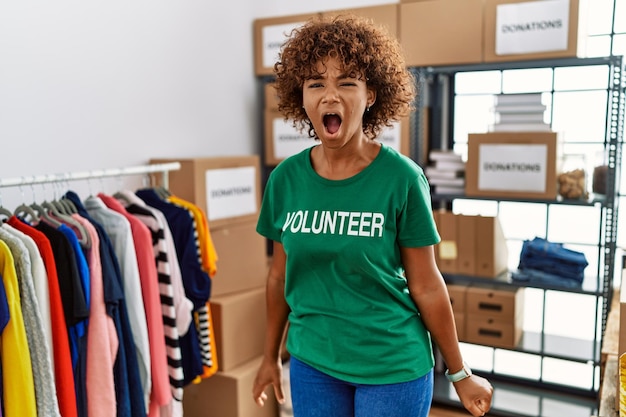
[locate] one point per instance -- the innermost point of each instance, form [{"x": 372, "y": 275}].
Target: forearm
[
  {"x": 436, "y": 313},
  {"x": 277, "y": 313}
]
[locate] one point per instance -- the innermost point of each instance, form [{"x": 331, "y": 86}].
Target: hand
[
  {"x": 269, "y": 373},
  {"x": 475, "y": 393}
]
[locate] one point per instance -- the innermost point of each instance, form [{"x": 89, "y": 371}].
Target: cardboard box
[
  {"x": 503, "y": 304},
  {"x": 227, "y": 189},
  {"x": 457, "y": 294},
  {"x": 466, "y": 244},
  {"x": 239, "y": 321},
  {"x": 460, "y": 322},
  {"x": 491, "y": 250},
  {"x": 550, "y": 29},
  {"x": 398, "y": 136},
  {"x": 447, "y": 252},
  {"x": 283, "y": 140},
  {"x": 242, "y": 259},
  {"x": 269, "y": 35},
  {"x": 485, "y": 330},
  {"x": 271, "y": 97},
  {"x": 385, "y": 15},
  {"x": 494, "y": 315},
  {"x": 442, "y": 32},
  {"x": 228, "y": 394},
  {"x": 512, "y": 165}
]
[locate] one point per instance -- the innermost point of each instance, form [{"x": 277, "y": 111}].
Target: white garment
[
  {"x": 40, "y": 281},
  {"x": 40, "y": 352}
]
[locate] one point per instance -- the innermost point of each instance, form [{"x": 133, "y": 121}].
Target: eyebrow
[{"x": 341, "y": 76}]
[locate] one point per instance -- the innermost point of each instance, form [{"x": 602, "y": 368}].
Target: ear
[{"x": 371, "y": 97}]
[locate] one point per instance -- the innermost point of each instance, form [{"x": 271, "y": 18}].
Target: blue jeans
[{"x": 315, "y": 394}]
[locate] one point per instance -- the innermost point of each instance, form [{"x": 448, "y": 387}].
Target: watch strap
[{"x": 465, "y": 372}]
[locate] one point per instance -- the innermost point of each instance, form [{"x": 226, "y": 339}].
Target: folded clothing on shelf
[{"x": 546, "y": 262}]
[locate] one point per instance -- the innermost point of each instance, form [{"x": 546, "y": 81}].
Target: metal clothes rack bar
[{"x": 74, "y": 176}]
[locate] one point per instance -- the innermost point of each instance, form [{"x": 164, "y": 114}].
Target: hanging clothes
[
  {"x": 74, "y": 302},
  {"x": 63, "y": 372},
  {"x": 102, "y": 340},
  {"x": 128, "y": 388},
  {"x": 160, "y": 394},
  {"x": 4, "y": 320},
  {"x": 196, "y": 281},
  {"x": 208, "y": 254},
  {"x": 43, "y": 379},
  {"x": 18, "y": 386},
  {"x": 78, "y": 333},
  {"x": 119, "y": 232},
  {"x": 176, "y": 308},
  {"x": 207, "y": 258},
  {"x": 40, "y": 282}
]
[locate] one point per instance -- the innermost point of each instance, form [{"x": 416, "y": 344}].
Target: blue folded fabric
[
  {"x": 553, "y": 259},
  {"x": 537, "y": 277}
]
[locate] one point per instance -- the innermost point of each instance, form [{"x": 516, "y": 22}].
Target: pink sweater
[{"x": 102, "y": 341}]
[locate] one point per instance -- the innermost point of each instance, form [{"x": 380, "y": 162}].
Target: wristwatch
[{"x": 465, "y": 372}]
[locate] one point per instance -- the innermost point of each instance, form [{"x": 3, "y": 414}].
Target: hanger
[
  {"x": 160, "y": 191},
  {"x": 4, "y": 211},
  {"x": 24, "y": 211},
  {"x": 60, "y": 203},
  {"x": 70, "y": 208},
  {"x": 53, "y": 212},
  {"x": 43, "y": 215},
  {"x": 69, "y": 205}
]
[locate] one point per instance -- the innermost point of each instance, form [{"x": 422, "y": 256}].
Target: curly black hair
[{"x": 363, "y": 48}]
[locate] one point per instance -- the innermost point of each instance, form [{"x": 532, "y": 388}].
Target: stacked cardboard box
[
  {"x": 453, "y": 32},
  {"x": 271, "y": 32},
  {"x": 494, "y": 315},
  {"x": 228, "y": 190},
  {"x": 457, "y": 295},
  {"x": 513, "y": 164},
  {"x": 228, "y": 394},
  {"x": 470, "y": 245},
  {"x": 488, "y": 315}
]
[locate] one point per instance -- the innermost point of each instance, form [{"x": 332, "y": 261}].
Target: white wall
[{"x": 107, "y": 84}]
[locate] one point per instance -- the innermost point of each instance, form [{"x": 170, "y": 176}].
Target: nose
[{"x": 330, "y": 95}]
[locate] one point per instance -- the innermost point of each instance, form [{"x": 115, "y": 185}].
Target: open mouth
[{"x": 332, "y": 122}]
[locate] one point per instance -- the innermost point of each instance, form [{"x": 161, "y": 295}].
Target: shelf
[
  {"x": 538, "y": 63},
  {"x": 589, "y": 286},
  {"x": 517, "y": 400},
  {"x": 560, "y": 347},
  {"x": 515, "y": 395},
  {"x": 557, "y": 347},
  {"x": 597, "y": 199}
]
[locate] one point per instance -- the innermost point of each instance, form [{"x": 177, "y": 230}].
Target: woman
[{"x": 353, "y": 268}]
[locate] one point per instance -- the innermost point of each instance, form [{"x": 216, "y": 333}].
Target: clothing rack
[{"x": 163, "y": 168}]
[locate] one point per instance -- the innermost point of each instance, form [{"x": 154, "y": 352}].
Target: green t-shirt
[{"x": 351, "y": 314}]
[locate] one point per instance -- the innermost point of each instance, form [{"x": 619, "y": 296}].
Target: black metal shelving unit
[{"x": 517, "y": 395}]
